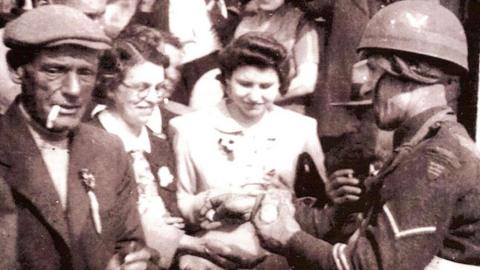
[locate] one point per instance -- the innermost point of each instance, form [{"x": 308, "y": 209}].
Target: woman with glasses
[{"x": 132, "y": 75}]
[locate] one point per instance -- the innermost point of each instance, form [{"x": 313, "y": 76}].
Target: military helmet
[{"x": 419, "y": 27}]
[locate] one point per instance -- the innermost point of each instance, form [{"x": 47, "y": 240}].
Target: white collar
[
  {"x": 117, "y": 126},
  {"x": 222, "y": 120},
  {"x": 154, "y": 123}
]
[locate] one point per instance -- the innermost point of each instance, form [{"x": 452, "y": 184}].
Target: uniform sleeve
[
  {"x": 329, "y": 223},
  {"x": 8, "y": 228},
  {"x": 313, "y": 220},
  {"x": 405, "y": 232}
]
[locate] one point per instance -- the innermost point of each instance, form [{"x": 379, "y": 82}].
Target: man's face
[
  {"x": 390, "y": 101},
  {"x": 63, "y": 76}
]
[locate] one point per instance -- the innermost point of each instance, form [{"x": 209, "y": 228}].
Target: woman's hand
[
  {"x": 230, "y": 256},
  {"x": 135, "y": 258},
  {"x": 190, "y": 262},
  {"x": 343, "y": 188},
  {"x": 228, "y": 208},
  {"x": 217, "y": 253}
]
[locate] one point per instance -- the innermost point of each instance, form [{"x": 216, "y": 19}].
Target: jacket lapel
[
  {"x": 27, "y": 173},
  {"x": 78, "y": 201}
]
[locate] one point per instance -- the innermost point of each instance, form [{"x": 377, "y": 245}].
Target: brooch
[
  {"x": 88, "y": 180},
  {"x": 227, "y": 146}
]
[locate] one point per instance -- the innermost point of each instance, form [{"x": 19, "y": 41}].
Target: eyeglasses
[{"x": 142, "y": 90}]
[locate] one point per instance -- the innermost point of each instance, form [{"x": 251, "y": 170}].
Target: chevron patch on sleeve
[{"x": 440, "y": 160}]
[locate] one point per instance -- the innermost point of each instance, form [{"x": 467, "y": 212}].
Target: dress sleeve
[
  {"x": 306, "y": 49},
  {"x": 306, "y": 58},
  {"x": 189, "y": 200}
]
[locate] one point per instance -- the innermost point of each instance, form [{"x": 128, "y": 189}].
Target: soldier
[{"x": 421, "y": 210}]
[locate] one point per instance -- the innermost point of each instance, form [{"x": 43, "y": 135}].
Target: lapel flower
[
  {"x": 88, "y": 179},
  {"x": 165, "y": 176}
]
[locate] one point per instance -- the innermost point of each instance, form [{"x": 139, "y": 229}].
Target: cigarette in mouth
[{"x": 53, "y": 115}]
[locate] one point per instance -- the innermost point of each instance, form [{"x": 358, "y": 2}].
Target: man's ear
[{"x": 16, "y": 74}]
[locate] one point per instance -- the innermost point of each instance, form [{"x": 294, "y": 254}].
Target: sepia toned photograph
[{"x": 239, "y": 134}]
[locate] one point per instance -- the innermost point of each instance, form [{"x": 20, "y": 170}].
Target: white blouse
[{"x": 215, "y": 154}]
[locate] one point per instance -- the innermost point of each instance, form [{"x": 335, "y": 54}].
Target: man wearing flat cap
[{"x": 71, "y": 184}]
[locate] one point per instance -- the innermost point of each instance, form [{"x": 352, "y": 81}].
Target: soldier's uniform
[{"x": 423, "y": 206}]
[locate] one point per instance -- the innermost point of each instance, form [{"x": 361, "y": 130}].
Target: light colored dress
[{"x": 216, "y": 155}]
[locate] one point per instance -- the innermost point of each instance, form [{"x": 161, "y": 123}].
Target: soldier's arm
[
  {"x": 406, "y": 232},
  {"x": 331, "y": 223}
]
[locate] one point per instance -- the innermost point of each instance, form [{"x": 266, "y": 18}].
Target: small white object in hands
[
  {"x": 269, "y": 213},
  {"x": 210, "y": 215}
]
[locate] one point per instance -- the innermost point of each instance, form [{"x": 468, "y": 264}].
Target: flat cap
[{"x": 53, "y": 25}]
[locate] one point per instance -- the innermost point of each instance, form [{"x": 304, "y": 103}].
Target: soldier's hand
[
  {"x": 343, "y": 188},
  {"x": 275, "y": 220},
  {"x": 228, "y": 208}
]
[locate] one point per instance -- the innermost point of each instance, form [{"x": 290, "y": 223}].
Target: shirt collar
[
  {"x": 115, "y": 125},
  {"x": 154, "y": 122},
  {"x": 411, "y": 126},
  {"x": 222, "y": 120},
  {"x": 42, "y": 135}
]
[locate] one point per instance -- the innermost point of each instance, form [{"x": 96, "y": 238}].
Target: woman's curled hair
[
  {"x": 137, "y": 44},
  {"x": 258, "y": 50}
]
